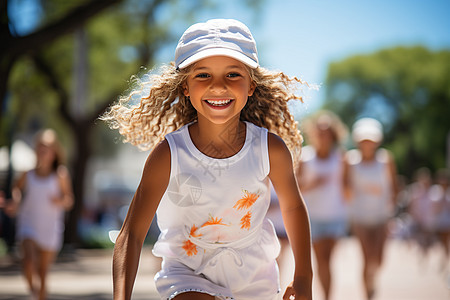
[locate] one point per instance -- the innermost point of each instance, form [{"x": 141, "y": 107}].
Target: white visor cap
[
  {"x": 367, "y": 129},
  {"x": 216, "y": 37}
]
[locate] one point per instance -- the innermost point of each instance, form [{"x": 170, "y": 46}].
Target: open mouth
[{"x": 219, "y": 103}]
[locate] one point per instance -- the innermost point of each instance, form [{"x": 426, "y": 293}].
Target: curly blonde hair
[{"x": 164, "y": 108}]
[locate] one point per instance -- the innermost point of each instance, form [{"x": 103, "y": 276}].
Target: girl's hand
[
  {"x": 58, "y": 201},
  {"x": 290, "y": 293},
  {"x": 64, "y": 202},
  {"x": 320, "y": 180},
  {"x": 10, "y": 208},
  {"x": 294, "y": 291}
]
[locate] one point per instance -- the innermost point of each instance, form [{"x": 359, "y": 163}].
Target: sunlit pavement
[
  {"x": 406, "y": 274},
  {"x": 85, "y": 274}
]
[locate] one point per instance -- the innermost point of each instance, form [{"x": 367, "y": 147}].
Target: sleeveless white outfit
[
  {"x": 371, "y": 204},
  {"x": 214, "y": 235},
  {"x": 326, "y": 206},
  {"x": 39, "y": 219}
]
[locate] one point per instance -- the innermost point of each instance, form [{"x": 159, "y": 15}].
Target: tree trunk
[{"x": 83, "y": 151}]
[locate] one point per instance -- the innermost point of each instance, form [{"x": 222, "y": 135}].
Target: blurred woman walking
[{"x": 370, "y": 184}]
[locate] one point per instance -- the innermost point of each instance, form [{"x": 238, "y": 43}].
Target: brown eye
[
  {"x": 202, "y": 75},
  {"x": 233, "y": 75}
]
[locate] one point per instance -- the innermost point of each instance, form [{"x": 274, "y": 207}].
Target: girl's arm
[
  {"x": 392, "y": 169},
  {"x": 65, "y": 183},
  {"x": 295, "y": 217},
  {"x": 129, "y": 243},
  {"x": 346, "y": 184},
  {"x": 311, "y": 184},
  {"x": 12, "y": 206}
]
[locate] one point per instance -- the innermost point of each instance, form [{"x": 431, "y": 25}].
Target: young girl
[
  {"x": 208, "y": 180},
  {"x": 41, "y": 197},
  {"x": 370, "y": 180},
  {"x": 319, "y": 176}
]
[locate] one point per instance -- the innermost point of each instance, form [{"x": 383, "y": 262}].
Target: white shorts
[
  {"x": 227, "y": 273},
  {"x": 176, "y": 278}
]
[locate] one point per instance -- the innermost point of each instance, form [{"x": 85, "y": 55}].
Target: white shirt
[{"x": 324, "y": 202}]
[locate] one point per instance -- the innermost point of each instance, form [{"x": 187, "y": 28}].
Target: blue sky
[{"x": 301, "y": 37}]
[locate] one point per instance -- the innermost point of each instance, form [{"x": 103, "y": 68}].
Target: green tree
[
  {"x": 13, "y": 47},
  {"x": 408, "y": 90},
  {"x": 17, "y": 53}
]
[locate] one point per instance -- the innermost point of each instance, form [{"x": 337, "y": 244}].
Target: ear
[
  {"x": 252, "y": 88},
  {"x": 185, "y": 89}
]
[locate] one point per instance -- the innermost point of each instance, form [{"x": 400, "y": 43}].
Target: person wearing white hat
[
  {"x": 215, "y": 120},
  {"x": 370, "y": 182}
]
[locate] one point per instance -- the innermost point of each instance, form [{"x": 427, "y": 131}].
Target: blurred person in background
[
  {"x": 40, "y": 198},
  {"x": 420, "y": 209},
  {"x": 370, "y": 184},
  {"x": 319, "y": 176},
  {"x": 440, "y": 199}
]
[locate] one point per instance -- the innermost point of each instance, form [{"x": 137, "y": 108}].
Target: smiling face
[{"x": 218, "y": 88}]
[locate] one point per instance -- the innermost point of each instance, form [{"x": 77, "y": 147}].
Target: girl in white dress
[
  {"x": 208, "y": 180},
  {"x": 41, "y": 196}
]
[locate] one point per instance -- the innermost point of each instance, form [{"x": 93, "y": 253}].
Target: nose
[{"x": 218, "y": 85}]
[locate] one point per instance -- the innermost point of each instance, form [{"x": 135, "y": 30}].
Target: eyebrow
[{"x": 227, "y": 67}]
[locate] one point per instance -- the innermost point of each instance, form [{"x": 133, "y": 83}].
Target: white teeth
[{"x": 218, "y": 102}]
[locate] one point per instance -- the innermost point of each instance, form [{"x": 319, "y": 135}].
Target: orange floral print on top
[
  {"x": 193, "y": 231},
  {"x": 190, "y": 248},
  {"x": 243, "y": 205},
  {"x": 246, "y": 201},
  {"x": 246, "y": 221},
  {"x": 214, "y": 221}
]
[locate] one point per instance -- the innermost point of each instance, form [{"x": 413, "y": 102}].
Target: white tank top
[
  {"x": 325, "y": 202},
  {"x": 370, "y": 181},
  {"x": 213, "y": 202},
  {"x": 39, "y": 218}
]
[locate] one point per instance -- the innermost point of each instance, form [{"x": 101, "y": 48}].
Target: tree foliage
[{"x": 408, "y": 90}]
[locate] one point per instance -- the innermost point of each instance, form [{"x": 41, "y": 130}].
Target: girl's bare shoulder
[
  {"x": 158, "y": 161},
  {"x": 278, "y": 151}
]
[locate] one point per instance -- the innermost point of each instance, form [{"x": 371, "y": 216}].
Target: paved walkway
[{"x": 405, "y": 275}]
